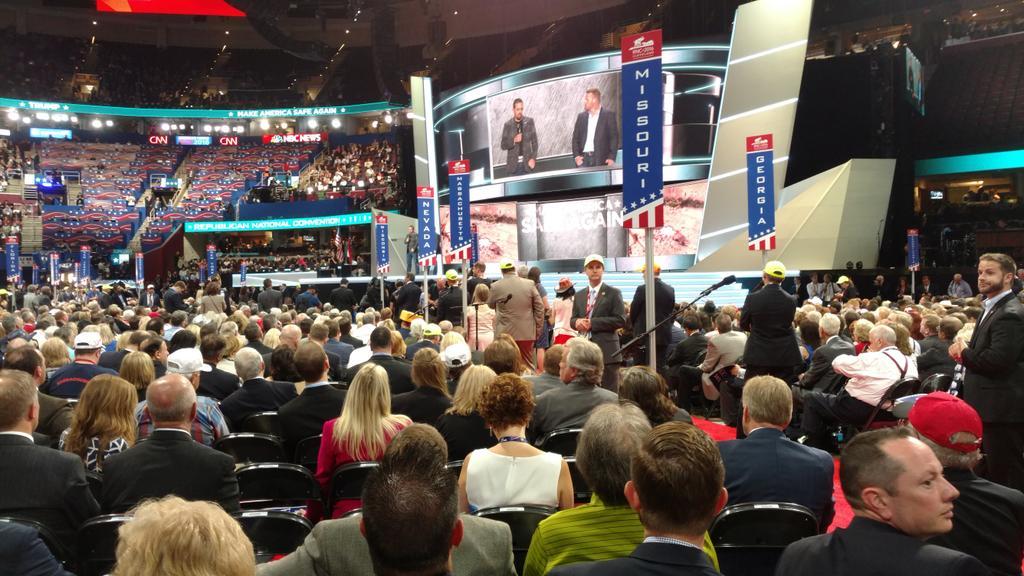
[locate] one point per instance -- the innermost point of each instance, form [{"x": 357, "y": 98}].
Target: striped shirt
[
  {"x": 207, "y": 427},
  {"x": 588, "y": 533}
]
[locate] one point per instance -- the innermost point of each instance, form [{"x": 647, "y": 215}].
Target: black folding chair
[
  {"x": 523, "y": 521},
  {"x": 262, "y": 423},
  {"x": 272, "y": 532},
  {"x": 275, "y": 484},
  {"x": 95, "y": 483},
  {"x": 937, "y": 383},
  {"x": 561, "y": 441},
  {"x": 455, "y": 467},
  {"x": 246, "y": 447},
  {"x": 904, "y": 387},
  {"x": 307, "y": 451},
  {"x": 580, "y": 490},
  {"x": 749, "y": 538},
  {"x": 62, "y": 554},
  {"x": 347, "y": 483},
  {"x": 97, "y": 544}
]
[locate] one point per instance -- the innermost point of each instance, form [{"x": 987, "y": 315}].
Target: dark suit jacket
[
  {"x": 54, "y": 415},
  {"x": 606, "y": 136},
  {"x": 268, "y": 299},
  {"x": 935, "y": 361},
  {"x": 113, "y": 359},
  {"x": 260, "y": 347},
  {"x": 399, "y": 373},
  {"x": 169, "y": 462},
  {"x": 930, "y": 342},
  {"x": 528, "y": 145},
  {"x": 304, "y": 415},
  {"x": 256, "y": 395},
  {"x": 994, "y": 382},
  {"x": 870, "y": 547},
  {"x": 217, "y": 384},
  {"x": 664, "y": 302},
  {"x": 687, "y": 351},
  {"x": 174, "y": 301},
  {"x": 768, "y": 315},
  {"x": 449, "y": 306},
  {"x": 23, "y": 553},
  {"x": 335, "y": 367},
  {"x": 416, "y": 347},
  {"x": 149, "y": 300},
  {"x": 343, "y": 298},
  {"x": 342, "y": 349},
  {"x": 769, "y": 467},
  {"x": 408, "y": 297},
  {"x": 350, "y": 339},
  {"x": 44, "y": 485},
  {"x": 653, "y": 559},
  {"x": 820, "y": 376},
  {"x": 608, "y": 315},
  {"x": 422, "y": 405},
  {"x": 988, "y": 522}
]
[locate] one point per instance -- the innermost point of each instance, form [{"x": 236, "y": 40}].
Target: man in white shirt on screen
[{"x": 595, "y": 137}]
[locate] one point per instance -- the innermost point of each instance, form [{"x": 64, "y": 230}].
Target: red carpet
[{"x": 719, "y": 432}]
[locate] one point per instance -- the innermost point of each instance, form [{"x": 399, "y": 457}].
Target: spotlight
[
  {"x": 335, "y": 123},
  {"x": 309, "y": 189},
  {"x": 74, "y": 119},
  {"x": 42, "y": 115},
  {"x": 109, "y": 123},
  {"x": 13, "y": 115},
  {"x": 311, "y": 123},
  {"x": 26, "y": 119},
  {"x": 264, "y": 124},
  {"x": 96, "y": 123},
  {"x": 224, "y": 127},
  {"x": 239, "y": 129},
  {"x": 361, "y": 183},
  {"x": 165, "y": 126},
  {"x": 284, "y": 125},
  {"x": 374, "y": 124},
  {"x": 207, "y": 128},
  {"x": 388, "y": 118}
]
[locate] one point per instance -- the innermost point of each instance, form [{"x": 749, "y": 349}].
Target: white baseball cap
[
  {"x": 88, "y": 341},
  {"x": 186, "y": 361}
]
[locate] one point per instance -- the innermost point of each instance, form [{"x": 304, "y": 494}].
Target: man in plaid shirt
[{"x": 209, "y": 423}]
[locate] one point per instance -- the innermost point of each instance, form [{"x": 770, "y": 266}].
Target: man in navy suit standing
[
  {"x": 768, "y": 315},
  {"x": 664, "y": 303},
  {"x": 595, "y": 137},
  {"x": 766, "y": 466}
]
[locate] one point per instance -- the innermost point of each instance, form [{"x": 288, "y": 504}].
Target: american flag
[
  {"x": 653, "y": 216},
  {"x": 766, "y": 242},
  {"x": 339, "y": 244}
]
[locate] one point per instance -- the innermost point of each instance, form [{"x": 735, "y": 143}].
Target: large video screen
[
  {"x": 571, "y": 229},
  {"x": 181, "y": 7},
  {"x": 557, "y": 127},
  {"x": 915, "y": 82}
]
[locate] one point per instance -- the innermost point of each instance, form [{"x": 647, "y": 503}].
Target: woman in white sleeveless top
[{"x": 512, "y": 472}]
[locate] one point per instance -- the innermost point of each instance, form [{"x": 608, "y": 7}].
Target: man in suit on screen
[
  {"x": 595, "y": 137},
  {"x": 519, "y": 137}
]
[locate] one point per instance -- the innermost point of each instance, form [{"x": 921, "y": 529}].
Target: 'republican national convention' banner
[
  {"x": 381, "y": 235},
  {"x": 760, "y": 193},
  {"x": 426, "y": 220},
  {"x": 643, "y": 201},
  {"x": 458, "y": 209}
]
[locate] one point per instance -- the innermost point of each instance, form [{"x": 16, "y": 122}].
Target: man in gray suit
[
  {"x": 598, "y": 312},
  {"x": 519, "y": 137},
  {"x": 411, "y": 529},
  {"x": 820, "y": 375},
  {"x": 568, "y": 407},
  {"x": 724, "y": 349},
  {"x": 268, "y": 297}
]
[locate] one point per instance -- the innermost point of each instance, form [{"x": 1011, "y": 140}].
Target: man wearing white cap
[
  {"x": 598, "y": 313},
  {"x": 150, "y": 299},
  {"x": 68, "y": 382},
  {"x": 520, "y": 311}
]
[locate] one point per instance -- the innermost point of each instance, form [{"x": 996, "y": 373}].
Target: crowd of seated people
[
  {"x": 39, "y": 65},
  {"x": 11, "y": 162},
  {"x": 367, "y": 171},
  {"x": 183, "y": 367}
]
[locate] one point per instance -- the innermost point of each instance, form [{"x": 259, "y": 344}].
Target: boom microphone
[{"x": 724, "y": 282}]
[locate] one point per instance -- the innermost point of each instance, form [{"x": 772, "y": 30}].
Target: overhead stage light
[
  {"x": 96, "y": 123},
  {"x": 264, "y": 124},
  {"x": 109, "y": 123},
  {"x": 388, "y": 118},
  {"x": 165, "y": 126},
  {"x": 335, "y": 123},
  {"x": 13, "y": 115},
  {"x": 312, "y": 123}
]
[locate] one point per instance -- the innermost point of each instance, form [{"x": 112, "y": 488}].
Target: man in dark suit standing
[
  {"x": 269, "y": 297},
  {"x": 994, "y": 378},
  {"x": 597, "y": 313},
  {"x": 595, "y": 137},
  {"x": 676, "y": 488},
  {"x": 342, "y": 297},
  {"x": 519, "y": 137},
  {"x": 150, "y": 298},
  {"x": 305, "y": 415},
  {"x": 767, "y": 466},
  {"x": 899, "y": 498},
  {"x": 169, "y": 461},
  {"x": 399, "y": 372},
  {"x": 768, "y": 315},
  {"x": 174, "y": 298},
  {"x": 408, "y": 296},
  {"x": 664, "y": 304},
  {"x": 256, "y": 394},
  {"x": 820, "y": 375},
  {"x": 39, "y": 483}
]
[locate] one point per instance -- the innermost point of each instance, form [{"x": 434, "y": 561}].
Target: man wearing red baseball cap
[{"x": 988, "y": 518}]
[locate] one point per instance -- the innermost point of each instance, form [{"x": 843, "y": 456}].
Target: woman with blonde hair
[
  {"x": 462, "y": 426},
  {"x": 232, "y": 345},
  {"x": 138, "y": 369},
  {"x": 272, "y": 338},
  {"x": 512, "y": 472},
  {"x": 480, "y": 320},
  {"x": 103, "y": 422},
  {"x": 861, "y": 335},
  {"x": 430, "y": 399},
  {"x": 398, "y": 347},
  {"x": 450, "y": 338},
  {"x": 171, "y": 536},
  {"x": 361, "y": 433},
  {"x": 55, "y": 353}
]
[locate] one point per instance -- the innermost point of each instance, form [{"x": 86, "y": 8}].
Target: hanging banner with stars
[
  {"x": 760, "y": 193},
  {"x": 427, "y": 248},
  {"x": 642, "y": 103}
]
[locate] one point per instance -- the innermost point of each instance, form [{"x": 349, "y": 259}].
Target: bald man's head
[
  {"x": 171, "y": 401},
  {"x": 290, "y": 336}
]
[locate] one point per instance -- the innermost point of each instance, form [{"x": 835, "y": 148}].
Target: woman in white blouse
[{"x": 512, "y": 472}]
